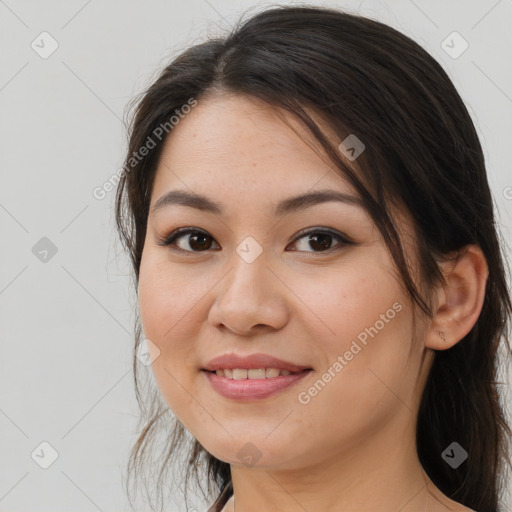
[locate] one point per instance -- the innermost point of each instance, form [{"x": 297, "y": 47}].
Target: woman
[{"x": 321, "y": 286}]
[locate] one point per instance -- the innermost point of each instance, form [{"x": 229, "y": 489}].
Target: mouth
[
  {"x": 254, "y": 373},
  {"x": 253, "y": 366},
  {"x": 250, "y": 384}
]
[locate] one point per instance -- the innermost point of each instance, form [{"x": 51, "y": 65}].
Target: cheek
[
  {"x": 163, "y": 314},
  {"x": 364, "y": 345},
  {"x": 165, "y": 297},
  {"x": 172, "y": 312},
  {"x": 346, "y": 301}
]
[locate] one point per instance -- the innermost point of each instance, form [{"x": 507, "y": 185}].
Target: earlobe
[{"x": 459, "y": 301}]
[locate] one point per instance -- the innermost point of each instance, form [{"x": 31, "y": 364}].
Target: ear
[{"x": 458, "y": 302}]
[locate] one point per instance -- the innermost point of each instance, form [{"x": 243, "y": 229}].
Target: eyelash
[{"x": 169, "y": 240}]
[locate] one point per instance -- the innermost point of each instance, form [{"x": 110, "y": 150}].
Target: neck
[{"x": 377, "y": 473}]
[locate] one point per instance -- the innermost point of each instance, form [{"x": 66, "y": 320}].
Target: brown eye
[
  {"x": 320, "y": 240},
  {"x": 198, "y": 241}
]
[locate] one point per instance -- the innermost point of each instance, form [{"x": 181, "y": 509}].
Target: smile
[{"x": 250, "y": 384}]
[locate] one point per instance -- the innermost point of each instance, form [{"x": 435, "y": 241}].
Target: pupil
[
  {"x": 313, "y": 239},
  {"x": 200, "y": 246}
]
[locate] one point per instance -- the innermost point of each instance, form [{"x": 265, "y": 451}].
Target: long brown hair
[{"x": 422, "y": 150}]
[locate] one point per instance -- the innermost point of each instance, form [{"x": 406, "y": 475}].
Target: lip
[
  {"x": 252, "y": 389},
  {"x": 252, "y": 361}
]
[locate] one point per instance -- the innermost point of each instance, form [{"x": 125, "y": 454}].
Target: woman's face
[{"x": 248, "y": 284}]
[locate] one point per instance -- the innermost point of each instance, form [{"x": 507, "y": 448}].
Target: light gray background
[{"x": 65, "y": 324}]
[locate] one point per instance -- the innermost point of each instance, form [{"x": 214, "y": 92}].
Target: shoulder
[
  {"x": 461, "y": 508},
  {"x": 449, "y": 505}
]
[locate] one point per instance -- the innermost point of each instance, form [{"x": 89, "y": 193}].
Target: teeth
[
  {"x": 253, "y": 373},
  {"x": 239, "y": 374},
  {"x": 256, "y": 373},
  {"x": 271, "y": 372}
]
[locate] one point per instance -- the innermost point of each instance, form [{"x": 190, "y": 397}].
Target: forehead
[{"x": 239, "y": 144}]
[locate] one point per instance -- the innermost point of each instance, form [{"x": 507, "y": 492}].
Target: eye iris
[
  {"x": 325, "y": 240},
  {"x": 201, "y": 237}
]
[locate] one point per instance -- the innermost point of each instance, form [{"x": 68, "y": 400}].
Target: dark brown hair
[{"x": 422, "y": 153}]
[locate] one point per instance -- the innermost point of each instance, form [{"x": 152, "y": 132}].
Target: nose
[{"x": 250, "y": 299}]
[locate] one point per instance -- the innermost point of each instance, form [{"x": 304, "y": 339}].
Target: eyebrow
[{"x": 292, "y": 204}]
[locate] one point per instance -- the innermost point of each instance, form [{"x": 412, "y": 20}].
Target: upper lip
[{"x": 231, "y": 361}]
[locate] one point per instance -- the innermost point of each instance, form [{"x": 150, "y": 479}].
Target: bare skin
[
  {"x": 351, "y": 447},
  {"x": 447, "y": 504}
]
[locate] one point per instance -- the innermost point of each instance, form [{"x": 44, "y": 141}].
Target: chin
[{"x": 252, "y": 453}]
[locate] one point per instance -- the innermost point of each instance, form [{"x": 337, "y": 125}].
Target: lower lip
[{"x": 250, "y": 389}]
